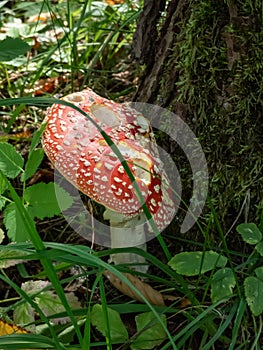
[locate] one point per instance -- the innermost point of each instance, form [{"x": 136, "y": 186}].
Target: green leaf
[
  {"x": 259, "y": 248},
  {"x": 34, "y": 160},
  {"x": 2, "y": 202},
  {"x": 11, "y": 48},
  {"x": 117, "y": 330},
  {"x": 250, "y": 233},
  {"x": 42, "y": 201},
  {"x": 24, "y": 314},
  {"x": 68, "y": 333},
  {"x": 32, "y": 287},
  {"x": 14, "y": 224},
  {"x": 48, "y": 300},
  {"x": 151, "y": 332},
  {"x": 254, "y": 294},
  {"x": 9, "y": 257},
  {"x": 3, "y": 184},
  {"x": 11, "y": 162},
  {"x": 50, "y": 304},
  {"x": 194, "y": 263},
  {"x": 259, "y": 273},
  {"x": 222, "y": 284}
]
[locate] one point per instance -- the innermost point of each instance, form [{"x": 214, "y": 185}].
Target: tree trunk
[{"x": 203, "y": 61}]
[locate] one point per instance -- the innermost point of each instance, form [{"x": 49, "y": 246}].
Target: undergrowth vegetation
[{"x": 55, "y": 285}]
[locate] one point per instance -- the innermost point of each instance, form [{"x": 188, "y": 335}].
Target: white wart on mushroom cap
[{"x": 79, "y": 152}]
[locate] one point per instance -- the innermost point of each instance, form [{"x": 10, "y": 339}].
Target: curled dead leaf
[
  {"x": 153, "y": 296},
  {"x": 114, "y": 2}
]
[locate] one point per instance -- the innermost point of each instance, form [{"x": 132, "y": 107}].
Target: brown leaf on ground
[
  {"x": 114, "y": 2},
  {"x": 182, "y": 302},
  {"x": 153, "y": 296}
]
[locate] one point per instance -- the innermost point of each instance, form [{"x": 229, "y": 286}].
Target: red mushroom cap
[{"x": 80, "y": 153}]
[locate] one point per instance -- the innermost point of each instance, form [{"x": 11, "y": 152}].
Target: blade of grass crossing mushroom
[
  {"x": 39, "y": 101},
  {"x": 48, "y": 101},
  {"x": 67, "y": 131},
  {"x": 131, "y": 223}
]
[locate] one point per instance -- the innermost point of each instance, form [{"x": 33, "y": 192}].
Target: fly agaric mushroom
[{"x": 79, "y": 152}]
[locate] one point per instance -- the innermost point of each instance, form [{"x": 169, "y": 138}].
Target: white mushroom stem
[{"x": 127, "y": 232}]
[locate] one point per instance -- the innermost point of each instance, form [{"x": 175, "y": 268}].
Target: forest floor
[{"x": 56, "y": 284}]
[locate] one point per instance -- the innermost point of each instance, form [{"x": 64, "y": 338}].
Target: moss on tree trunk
[{"x": 203, "y": 60}]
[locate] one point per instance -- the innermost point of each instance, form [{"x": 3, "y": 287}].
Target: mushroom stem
[{"x": 127, "y": 232}]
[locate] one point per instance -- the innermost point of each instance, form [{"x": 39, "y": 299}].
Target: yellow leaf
[{"x": 7, "y": 328}]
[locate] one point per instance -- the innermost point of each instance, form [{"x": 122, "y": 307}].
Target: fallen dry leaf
[
  {"x": 114, "y": 2},
  {"x": 153, "y": 296}
]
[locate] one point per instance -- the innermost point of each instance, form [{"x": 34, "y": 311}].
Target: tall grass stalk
[{"x": 39, "y": 246}]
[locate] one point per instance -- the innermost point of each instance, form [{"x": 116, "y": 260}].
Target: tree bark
[{"x": 203, "y": 61}]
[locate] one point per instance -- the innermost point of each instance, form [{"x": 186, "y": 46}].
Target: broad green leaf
[
  {"x": 151, "y": 333},
  {"x": 2, "y": 202},
  {"x": 50, "y": 304},
  {"x": 24, "y": 314},
  {"x": 259, "y": 248},
  {"x": 222, "y": 284},
  {"x": 11, "y": 48},
  {"x": 117, "y": 330},
  {"x": 68, "y": 333},
  {"x": 259, "y": 273},
  {"x": 3, "y": 184},
  {"x": 11, "y": 162},
  {"x": 9, "y": 257},
  {"x": 48, "y": 301},
  {"x": 14, "y": 224},
  {"x": 250, "y": 233},
  {"x": 194, "y": 263},
  {"x": 19, "y": 29},
  {"x": 34, "y": 160},
  {"x": 32, "y": 287},
  {"x": 41, "y": 200},
  {"x": 254, "y": 294}
]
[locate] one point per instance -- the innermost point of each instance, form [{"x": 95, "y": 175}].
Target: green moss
[{"x": 218, "y": 57}]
